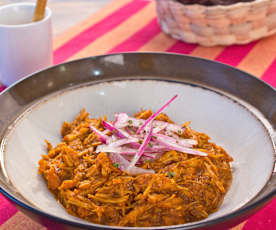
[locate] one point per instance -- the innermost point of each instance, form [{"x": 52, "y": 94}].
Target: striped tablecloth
[{"x": 131, "y": 25}]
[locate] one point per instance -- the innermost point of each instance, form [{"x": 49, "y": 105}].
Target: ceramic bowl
[{"x": 235, "y": 109}]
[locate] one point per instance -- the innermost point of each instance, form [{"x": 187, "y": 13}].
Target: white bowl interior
[{"x": 228, "y": 124}]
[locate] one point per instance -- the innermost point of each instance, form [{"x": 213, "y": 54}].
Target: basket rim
[{"x": 220, "y": 7}]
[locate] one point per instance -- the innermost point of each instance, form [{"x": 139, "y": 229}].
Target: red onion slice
[
  {"x": 177, "y": 147},
  {"x": 158, "y": 137},
  {"x": 176, "y": 140},
  {"x": 115, "y": 130},
  {"x": 124, "y": 165},
  {"x": 142, "y": 148},
  {"x": 124, "y": 121},
  {"x": 112, "y": 149},
  {"x": 103, "y": 138},
  {"x": 156, "y": 114},
  {"x": 124, "y": 142}
]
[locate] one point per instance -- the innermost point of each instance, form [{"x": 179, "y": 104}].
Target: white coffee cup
[{"x": 25, "y": 46}]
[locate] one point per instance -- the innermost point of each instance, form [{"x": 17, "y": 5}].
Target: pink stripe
[
  {"x": 51, "y": 225},
  {"x": 182, "y": 47},
  {"x": 91, "y": 34},
  {"x": 7, "y": 209},
  {"x": 2, "y": 87},
  {"x": 140, "y": 38},
  {"x": 233, "y": 55},
  {"x": 270, "y": 74},
  {"x": 264, "y": 219}
]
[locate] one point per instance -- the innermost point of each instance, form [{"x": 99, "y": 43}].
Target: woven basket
[{"x": 239, "y": 23}]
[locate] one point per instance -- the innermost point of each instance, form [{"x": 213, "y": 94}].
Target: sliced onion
[
  {"x": 124, "y": 142},
  {"x": 137, "y": 170},
  {"x": 124, "y": 121},
  {"x": 130, "y": 130},
  {"x": 142, "y": 148},
  {"x": 169, "y": 126},
  {"x": 158, "y": 128},
  {"x": 124, "y": 145},
  {"x": 106, "y": 131},
  {"x": 176, "y": 140},
  {"x": 115, "y": 130},
  {"x": 124, "y": 165},
  {"x": 123, "y": 150},
  {"x": 121, "y": 118},
  {"x": 177, "y": 147},
  {"x": 112, "y": 149},
  {"x": 156, "y": 114},
  {"x": 190, "y": 141},
  {"x": 103, "y": 138},
  {"x": 117, "y": 158},
  {"x": 155, "y": 149},
  {"x": 146, "y": 154}
]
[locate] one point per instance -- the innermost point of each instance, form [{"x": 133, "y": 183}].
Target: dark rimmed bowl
[{"x": 231, "y": 95}]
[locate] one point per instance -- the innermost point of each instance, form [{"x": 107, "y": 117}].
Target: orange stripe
[
  {"x": 238, "y": 227},
  {"x": 93, "y": 19},
  {"x": 21, "y": 222},
  {"x": 160, "y": 42},
  {"x": 119, "y": 34},
  {"x": 260, "y": 57},
  {"x": 207, "y": 52}
]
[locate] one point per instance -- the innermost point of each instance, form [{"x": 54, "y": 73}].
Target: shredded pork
[{"x": 184, "y": 187}]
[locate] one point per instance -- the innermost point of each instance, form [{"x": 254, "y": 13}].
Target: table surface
[
  {"x": 131, "y": 25},
  {"x": 67, "y": 13}
]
